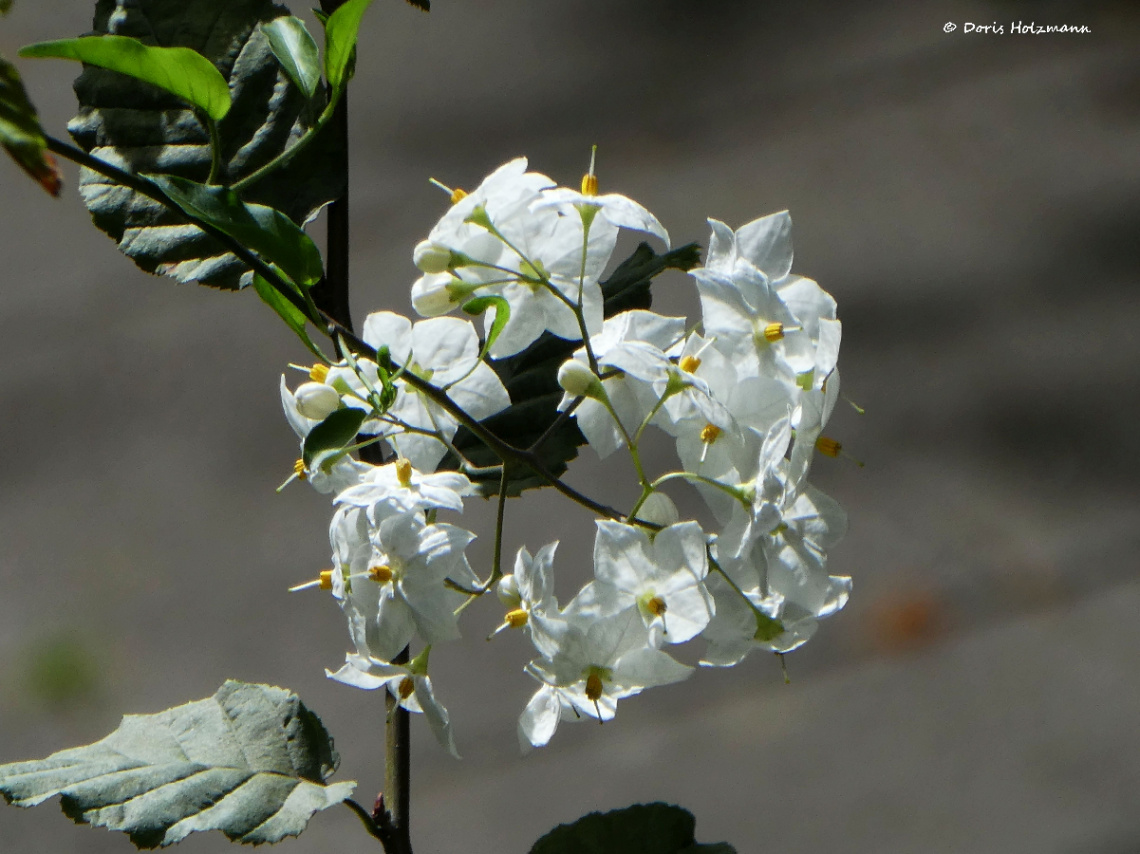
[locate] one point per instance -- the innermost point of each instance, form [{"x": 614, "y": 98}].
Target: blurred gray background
[{"x": 971, "y": 200}]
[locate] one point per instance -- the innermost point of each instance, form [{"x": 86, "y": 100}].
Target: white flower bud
[
  {"x": 431, "y": 257},
  {"x": 431, "y": 296},
  {"x": 508, "y": 591},
  {"x": 578, "y": 380},
  {"x": 660, "y": 510},
  {"x": 317, "y": 400}
]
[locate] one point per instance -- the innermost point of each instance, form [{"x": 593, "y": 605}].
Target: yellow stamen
[
  {"x": 404, "y": 473},
  {"x": 656, "y": 606},
  {"x": 380, "y": 574},
  {"x": 318, "y": 373},
  {"x": 689, "y": 364},
  {"x": 590, "y": 180},
  {"x": 299, "y": 470},
  {"x": 773, "y": 332},
  {"x": 593, "y": 687},
  {"x": 828, "y": 446},
  {"x": 517, "y": 618},
  {"x": 407, "y": 686},
  {"x": 458, "y": 195},
  {"x": 326, "y": 577},
  {"x": 710, "y": 433}
]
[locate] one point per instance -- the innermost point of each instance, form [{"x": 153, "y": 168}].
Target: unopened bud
[
  {"x": 317, "y": 400},
  {"x": 431, "y": 257},
  {"x": 577, "y": 379},
  {"x": 659, "y": 509},
  {"x": 508, "y": 591}
]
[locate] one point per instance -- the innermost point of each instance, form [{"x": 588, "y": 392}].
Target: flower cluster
[{"x": 745, "y": 394}]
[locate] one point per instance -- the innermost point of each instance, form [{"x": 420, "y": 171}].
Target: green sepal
[
  {"x": 641, "y": 829},
  {"x": 266, "y": 231},
  {"x": 335, "y": 432},
  {"x": 294, "y": 318},
  {"x": 767, "y": 628},
  {"x": 178, "y": 70},
  {"x": 296, "y": 50},
  {"x": 342, "y": 29},
  {"x": 252, "y": 761},
  {"x": 477, "y": 306},
  {"x": 21, "y": 133}
]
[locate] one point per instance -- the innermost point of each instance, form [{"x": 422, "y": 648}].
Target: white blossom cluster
[{"x": 745, "y": 398}]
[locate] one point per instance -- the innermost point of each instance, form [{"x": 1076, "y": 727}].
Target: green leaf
[
  {"x": 296, "y": 51},
  {"x": 21, "y": 134},
  {"x": 641, "y": 829},
  {"x": 178, "y": 70},
  {"x": 531, "y": 380},
  {"x": 502, "y": 308},
  {"x": 336, "y": 431},
  {"x": 143, "y": 129},
  {"x": 341, "y": 32},
  {"x": 251, "y": 761},
  {"x": 294, "y": 318},
  {"x": 266, "y": 231}
]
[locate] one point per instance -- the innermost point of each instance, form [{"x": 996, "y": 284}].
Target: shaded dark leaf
[
  {"x": 335, "y": 432},
  {"x": 144, "y": 129},
  {"x": 640, "y": 829}
]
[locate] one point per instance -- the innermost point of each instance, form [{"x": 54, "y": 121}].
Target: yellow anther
[
  {"x": 828, "y": 446},
  {"x": 710, "y": 433},
  {"x": 773, "y": 332},
  {"x": 458, "y": 195},
  {"x": 689, "y": 364},
  {"x": 589, "y": 185},
  {"x": 380, "y": 574},
  {"x": 593, "y": 686},
  {"x": 318, "y": 373},
  {"x": 407, "y": 686},
  {"x": 326, "y": 577},
  {"x": 779, "y": 529},
  {"x": 656, "y": 606},
  {"x": 517, "y": 618},
  {"x": 299, "y": 470},
  {"x": 404, "y": 473}
]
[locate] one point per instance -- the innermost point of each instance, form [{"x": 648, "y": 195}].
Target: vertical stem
[{"x": 331, "y": 295}]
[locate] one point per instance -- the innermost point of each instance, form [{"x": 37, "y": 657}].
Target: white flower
[
  {"x": 399, "y": 488},
  {"x": 410, "y": 685},
  {"x": 445, "y": 352},
  {"x": 598, "y": 662},
  {"x": 619, "y": 211},
  {"x": 660, "y": 577},
  {"x": 325, "y": 474},
  {"x": 529, "y": 594},
  {"x": 402, "y": 592}
]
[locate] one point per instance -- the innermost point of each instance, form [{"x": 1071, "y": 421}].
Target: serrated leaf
[
  {"x": 341, "y": 33},
  {"x": 337, "y": 431},
  {"x": 294, "y": 318},
  {"x": 296, "y": 51},
  {"x": 21, "y": 134},
  {"x": 178, "y": 70},
  {"x": 251, "y": 761},
  {"x": 143, "y": 129},
  {"x": 262, "y": 229},
  {"x": 642, "y": 829}
]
